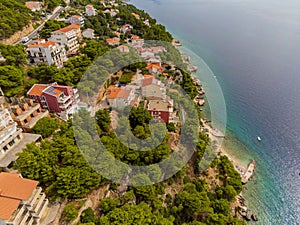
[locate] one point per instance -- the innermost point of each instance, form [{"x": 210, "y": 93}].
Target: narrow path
[{"x": 92, "y": 201}]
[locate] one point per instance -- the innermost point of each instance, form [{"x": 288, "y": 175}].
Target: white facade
[
  {"x": 90, "y": 10},
  {"x": 10, "y": 135},
  {"x": 122, "y": 99},
  {"x": 77, "y": 20},
  {"x": 66, "y": 38},
  {"x": 88, "y": 33},
  {"x": 47, "y": 52}
]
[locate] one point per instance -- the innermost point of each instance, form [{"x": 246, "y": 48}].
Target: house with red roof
[
  {"x": 59, "y": 99},
  {"x": 136, "y": 41},
  {"x": 113, "y": 41},
  {"x": 48, "y": 52},
  {"x": 153, "y": 89},
  {"x": 126, "y": 28},
  {"x": 34, "y": 6},
  {"x": 21, "y": 200},
  {"x": 119, "y": 97}
]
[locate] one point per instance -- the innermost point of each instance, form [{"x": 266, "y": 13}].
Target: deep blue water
[{"x": 253, "y": 48}]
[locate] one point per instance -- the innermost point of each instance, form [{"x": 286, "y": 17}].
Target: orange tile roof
[
  {"x": 74, "y": 26},
  {"x": 32, "y": 5},
  {"x": 147, "y": 81},
  {"x": 7, "y": 207},
  {"x": 136, "y": 38},
  {"x": 51, "y": 90},
  {"x": 37, "y": 89},
  {"x": 124, "y": 93},
  {"x": 13, "y": 186},
  {"x": 68, "y": 28},
  {"x": 76, "y": 16},
  {"x": 45, "y": 45},
  {"x": 89, "y": 6},
  {"x": 113, "y": 92},
  {"x": 152, "y": 66},
  {"x": 13, "y": 189},
  {"x": 113, "y": 40}
]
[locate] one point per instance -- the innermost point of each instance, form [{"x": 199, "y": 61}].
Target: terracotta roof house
[
  {"x": 48, "y": 52},
  {"x": 160, "y": 110},
  {"x": 126, "y": 28},
  {"x": 153, "y": 89},
  {"x": 34, "y": 6},
  {"x": 113, "y": 41},
  {"x": 56, "y": 98},
  {"x": 136, "y": 41},
  {"x": 67, "y": 37},
  {"x": 119, "y": 97},
  {"x": 21, "y": 200},
  {"x": 137, "y": 16}
]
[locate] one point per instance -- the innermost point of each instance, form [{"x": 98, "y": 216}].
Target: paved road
[{"x": 53, "y": 16}]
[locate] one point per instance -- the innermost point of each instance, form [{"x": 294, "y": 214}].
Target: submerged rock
[{"x": 254, "y": 217}]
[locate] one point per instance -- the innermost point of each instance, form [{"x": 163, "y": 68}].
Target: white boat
[{"x": 258, "y": 138}]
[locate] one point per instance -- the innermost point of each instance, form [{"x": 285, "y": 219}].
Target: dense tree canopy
[
  {"x": 59, "y": 166},
  {"x": 45, "y": 126},
  {"x": 14, "y": 16}
]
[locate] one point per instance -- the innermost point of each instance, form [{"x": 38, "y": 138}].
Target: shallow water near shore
[{"x": 253, "y": 49}]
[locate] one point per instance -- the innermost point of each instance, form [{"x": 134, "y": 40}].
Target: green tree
[
  {"x": 11, "y": 80},
  {"x": 70, "y": 212},
  {"x": 45, "y": 127}
]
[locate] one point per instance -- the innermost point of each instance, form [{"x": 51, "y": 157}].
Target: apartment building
[
  {"x": 22, "y": 202},
  {"x": 27, "y": 113},
  {"x": 67, "y": 37},
  {"x": 56, "y": 98},
  {"x": 47, "y": 52}
]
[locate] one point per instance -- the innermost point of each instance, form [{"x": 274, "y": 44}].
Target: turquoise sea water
[{"x": 253, "y": 48}]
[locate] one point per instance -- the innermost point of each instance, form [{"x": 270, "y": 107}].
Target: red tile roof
[
  {"x": 33, "y": 5},
  {"x": 113, "y": 40},
  {"x": 113, "y": 92},
  {"x": 37, "y": 89},
  {"x": 124, "y": 93},
  {"x": 45, "y": 45},
  {"x": 13, "y": 189}
]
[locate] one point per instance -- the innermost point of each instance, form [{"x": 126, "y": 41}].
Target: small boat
[{"x": 258, "y": 138}]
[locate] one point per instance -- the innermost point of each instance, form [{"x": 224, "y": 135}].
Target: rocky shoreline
[{"x": 217, "y": 136}]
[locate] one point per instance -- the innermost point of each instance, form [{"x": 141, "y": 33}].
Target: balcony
[
  {"x": 65, "y": 105},
  {"x": 64, "y": 99}
]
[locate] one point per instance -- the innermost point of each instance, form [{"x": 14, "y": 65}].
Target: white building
[
  {"x": 77, "y": 20},
  {"x": 67, "y": 37},
  {"x": 47, "y": 52},
  {"x": 88, "y": 33},
  {"x": 111, "y": 12},
  {"x": 123, "y": 48},
  {"x": 10, "y": 135},
  {"x": 34, "y": 6},
  {"x": 119, "y": 97},
  {"x": 22, "y": 202},
  {"x": 136, "y": 41},
  {"x": 90, "y": 10}
]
